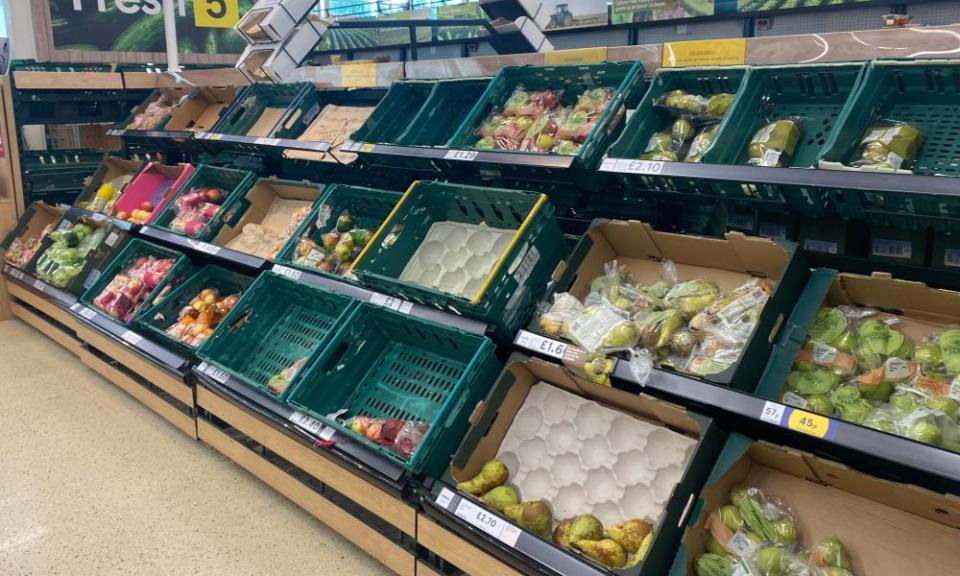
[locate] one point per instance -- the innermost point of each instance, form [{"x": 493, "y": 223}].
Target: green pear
[
  {"x": 630, "y": 534},
  {"x": 585, "y": 527},
  {"x": 536, "y": 517},
  {"x": 561, "y": 536},
  {"x": 501, "y": 497},
  {"x": 606, "y": 552},
  {"x": 494, "y": 473}
]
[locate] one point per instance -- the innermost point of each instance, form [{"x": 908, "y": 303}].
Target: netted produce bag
[
  {"x": 774, "y": 143},
  {"x": 532, "y": 104},
  {"x": 541, "y": 136},
  {"x": 888, "y": 145},
  {"x": 750, "y": 521}
]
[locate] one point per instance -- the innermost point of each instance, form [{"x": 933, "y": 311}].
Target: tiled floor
[{"x": 93, "y": 483}]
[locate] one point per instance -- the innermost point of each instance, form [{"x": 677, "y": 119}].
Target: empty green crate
[
  {"x": 384, "y": 364},
  {"x": 276, "y": 323},
  {"x": 443, "y": 112},
  {"x": 626, "y": 78},
  {"x": 813, "y": 93},
  {"x": 393, "y": 114},
  {"x": 231, "y": 183},
  {"x": 258, "y": 109},
  {"x": 135, "y": 248},
  {"x": 504, "y": 297},
  {"x": 164, "y": 312},
  {"x": 923, "y": 93},
  {"x": 368, "y": 208}
]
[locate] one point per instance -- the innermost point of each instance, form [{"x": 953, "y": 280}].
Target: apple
[
  {"x": 147, "y": 207},
  {"x": 123, "y": 215}
]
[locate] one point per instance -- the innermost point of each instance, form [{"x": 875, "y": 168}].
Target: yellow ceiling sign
[
  {"x": 576, "y": 56},
  {"x": 216, "y": 13},
  {"x": 358, "y": 75},
  {"x": 729, "y": 52}
]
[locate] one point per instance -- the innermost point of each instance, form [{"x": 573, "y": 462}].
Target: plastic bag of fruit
[
  {"x": 701, "y": 142},
  {"x": 556, "y": 319},
  {"x": 774, "y": 143},
  {"x": 532, "y": 104},
  {"x": 129, "y": 288},
  {"x": 680, "y": 103},
  {"x": 281, "y": 380},
  {"x": 542, "y": 134},
  {"x": 888, "y": 145}
]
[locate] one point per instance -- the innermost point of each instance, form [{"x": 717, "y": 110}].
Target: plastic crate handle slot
[
  {"x": 335, "y": 357},
  {"x": 238, "y": 324}
]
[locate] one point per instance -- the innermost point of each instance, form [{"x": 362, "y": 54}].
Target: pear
[
  {"x": 494, "y": 473},
  {"x": 501, "y": 497},
  {"x": 606, "y": 552},
  {"x": 513, "y": 512},
  {"x": 585, "y": 527},
  {"x": 536, "y": 517},
  {"x": 630, "y": 534},
  {"x": 561, "y": 536}
]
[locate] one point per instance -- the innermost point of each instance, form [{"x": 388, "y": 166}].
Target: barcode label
[
  {"x": 288, "y": 272},
  {"x": 771, "y": 230},
  {"x": 794, "y": 400},
  {"x": 111, "y": 239},
  {"x": 311, "y": 425},
  {"x": 527, "y": 265},
  {"x": 327, "y": 433},
  {"x": 893, "y": 248},
  {"x": 541, "y": 344},
  {"x": 131, "y": 337},
  {"x": 772, "y": 412},
  {"x": 465, "y": 155},
  {"x": 205, "y": 248},
  {"x": 951, "y": 257},
  {"x": 821, "y": 246},
  {"x": 444, "y": 497},
  {"x": 391, "y": 302},
  {"x": 87, "y": 313},
  {"x": 213, "y": 372}
]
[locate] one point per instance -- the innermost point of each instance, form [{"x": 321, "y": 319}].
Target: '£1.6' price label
[{"x": 538, "y": 343}]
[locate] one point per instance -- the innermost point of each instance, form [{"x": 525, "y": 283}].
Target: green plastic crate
[
  {"x": 176, "y": 93},
  {"x": 516, "y": 281},
  {"x": 231, "y": 182},
  {"x": 164, "y": 313},
  {"x": 368, "y": 207},
  {"x": 135, "y": 248},
  {"x": 95, "y": 259},
  {"x": 574, "y": 80},
  {"x": 393, "y": 114},
  {"x": 276, "y": 323},
  {"x": 385, "y": 364},
  {"x": 648, "y": 118},
  {"x": 816, "y": 93},
  {"x": 923, "y": 93},
  {"x": 443, "y": 112},
  {"x": 248, "y": 108}
]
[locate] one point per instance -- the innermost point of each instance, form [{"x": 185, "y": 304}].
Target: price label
[
  {"x": 39, "y": 285},
  {"x": 480, "y": 518},
  {"x": 444, "y": 498},
  {"x": 115, "y": 132},
  {"x": 131, "y": 337},
  {"x": 327, "y": 433},
  {"x": 391, "y": 302},
  {"x": 464, "y": 155},
  {"x": 541, "y": 344},
  {"x": 640, "y": 166},
  {"x": 205, "y": 248},
  {"x": 75, "y": 307},
  {"x": 311, "y": 425},
  {"x": 214, "y": 373},
  {"x": 87, "y": 313},
  {"x": 288, "y": 272},
  {"x": 812, "y": 424},
  {"x": 795, "y": 400},
  {"x": 772, "y": 413},
  {"x": 98, "y": 217},
  {"x": 358, "y": 75},
  {"x": 367, "y": 147},
  {"x": 350, "y": 146},
  {"x": 510, "y": 535},
  {"x": 267, "y": 141},
  {"x": 955, "y": 390},
  {"x": 575, "y": 56},
  {"x": 216, "y": 13},
  {"x": 608, "y": 165}
]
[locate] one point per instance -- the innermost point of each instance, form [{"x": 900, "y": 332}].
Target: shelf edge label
[{"x": 542, "y": 344}]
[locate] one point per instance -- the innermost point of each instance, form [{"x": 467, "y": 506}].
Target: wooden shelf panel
[
  {"x": 51, "y": 330},
  {"x": 467, "y": 557}
]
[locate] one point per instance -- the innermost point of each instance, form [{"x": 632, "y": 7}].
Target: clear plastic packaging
[
  {"x": 280, "y": 381},
  {"x": 129, "y": 288},
  {"x": 556, "y": 320},
  {"x": 734, "y": 315},
  {"x": 542, "y": 134},
  {"x": 701, "y": 142},
  {"x": 889, "y": 145},
  {"x": 774, "y": 143},
  {"x": 692, "y": 296},
  {"x": 531, "y": 104}
]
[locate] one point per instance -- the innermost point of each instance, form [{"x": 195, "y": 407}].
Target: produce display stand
[{"x": 42, "y": 306}]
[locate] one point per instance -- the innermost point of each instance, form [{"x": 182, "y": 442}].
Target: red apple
[{"x": 147, "y": 207}]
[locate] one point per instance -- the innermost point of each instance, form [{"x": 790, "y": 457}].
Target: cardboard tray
[
  {"x": 728, "y": 261},
  {"x": 888, "y": 528},
  {"x": 115, "y": 170},
  {"x": 37, "y": 217},
  {"x": 201, "y": 110}
]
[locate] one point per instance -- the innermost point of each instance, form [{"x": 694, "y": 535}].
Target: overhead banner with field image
[
  {"x": 765, "y": 5},
  {"x": 575, "y": 13},
  {"x": 628, "y": 11},
  {"x": 137, "y": 26}
]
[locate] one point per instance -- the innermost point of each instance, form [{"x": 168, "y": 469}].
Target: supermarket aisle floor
[{"x": 93, "y": 483}]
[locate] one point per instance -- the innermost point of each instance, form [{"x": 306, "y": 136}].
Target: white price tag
[
  {"x": 955, "y": 390},
  {"x": 510, "y": 535},
  {"x": 75, "y": 307},
  {"x": 111, "y": 239},
  {"x": 39, "y": 285},
  {"x": 795, "y": 400},
  {"x": 772, "y": 412},
  {"x": 87, "y": 313},
  {"x": 542, "y": 344},
  {"x": 741, "y": 544},
  {"x": 205, "y": 248},
  {"x": 480, "y": 518},
  {"x": 214, "y": 372},
  {"x": 465, "y": 155},
  {"x": 288, "y": 272},
  {"x": 268, "y": 141},
  {"x": 608, "y": 165},
  {"x": 327, "y": 433},
  {"x": 16, "y": 274},
  {"x": 350, "y": 146},
  {"x": 444, "y": 497},
  {"x": 311, "y": 425},
  {"x": 896, "y": 369},
  {"x": 132, "y": 337},
  {"x": 640, "y": 166},
  {"x": 824, "y": 355},
  {"x": 391, "y": 302},
  {"x": 99, "y": 217}
]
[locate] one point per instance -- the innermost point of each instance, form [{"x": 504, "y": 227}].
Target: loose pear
[
  {"x": 630, "y": 534},
  {"x": 561, "y": 536},
  {"x": 585, "y": 527},
  {"x": 606, "y": 552},
  {"x": 494, "y": 473},
  {"x": 536, "y": 517},
  {"x": 501, "y": 497}
]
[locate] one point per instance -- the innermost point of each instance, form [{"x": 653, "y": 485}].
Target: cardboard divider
[
  {"x": 38, "y": 217},
  {"x": 334, "y": 124},
  {"x": 116, "y": 171}
]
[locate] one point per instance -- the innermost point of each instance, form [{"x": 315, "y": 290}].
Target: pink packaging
[{"x": 157, "y": 183}]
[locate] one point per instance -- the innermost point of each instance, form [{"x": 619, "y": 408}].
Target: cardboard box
[
  {"x": 493, "y": 418},
  {"x": 201, "y": 110},
  {"x": 38, "y": 217},
  {"x": 174, "y": 95},
  {"x": 888, "y": 528},
  {"x": 267, "y": 216},
  {"x": 729, "y": 262},
  {"x": 114, "y": 170}
]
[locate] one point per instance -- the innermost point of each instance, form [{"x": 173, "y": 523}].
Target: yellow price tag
[
  {"x": 358, "y": 75},
  {"x": 367, "y": 147},
  {"x": 216, "y": 13},
  {"x": 728, "y": 52},
  {"x": 576, "y": 56},
  {"x": 812, "y": 424}
]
